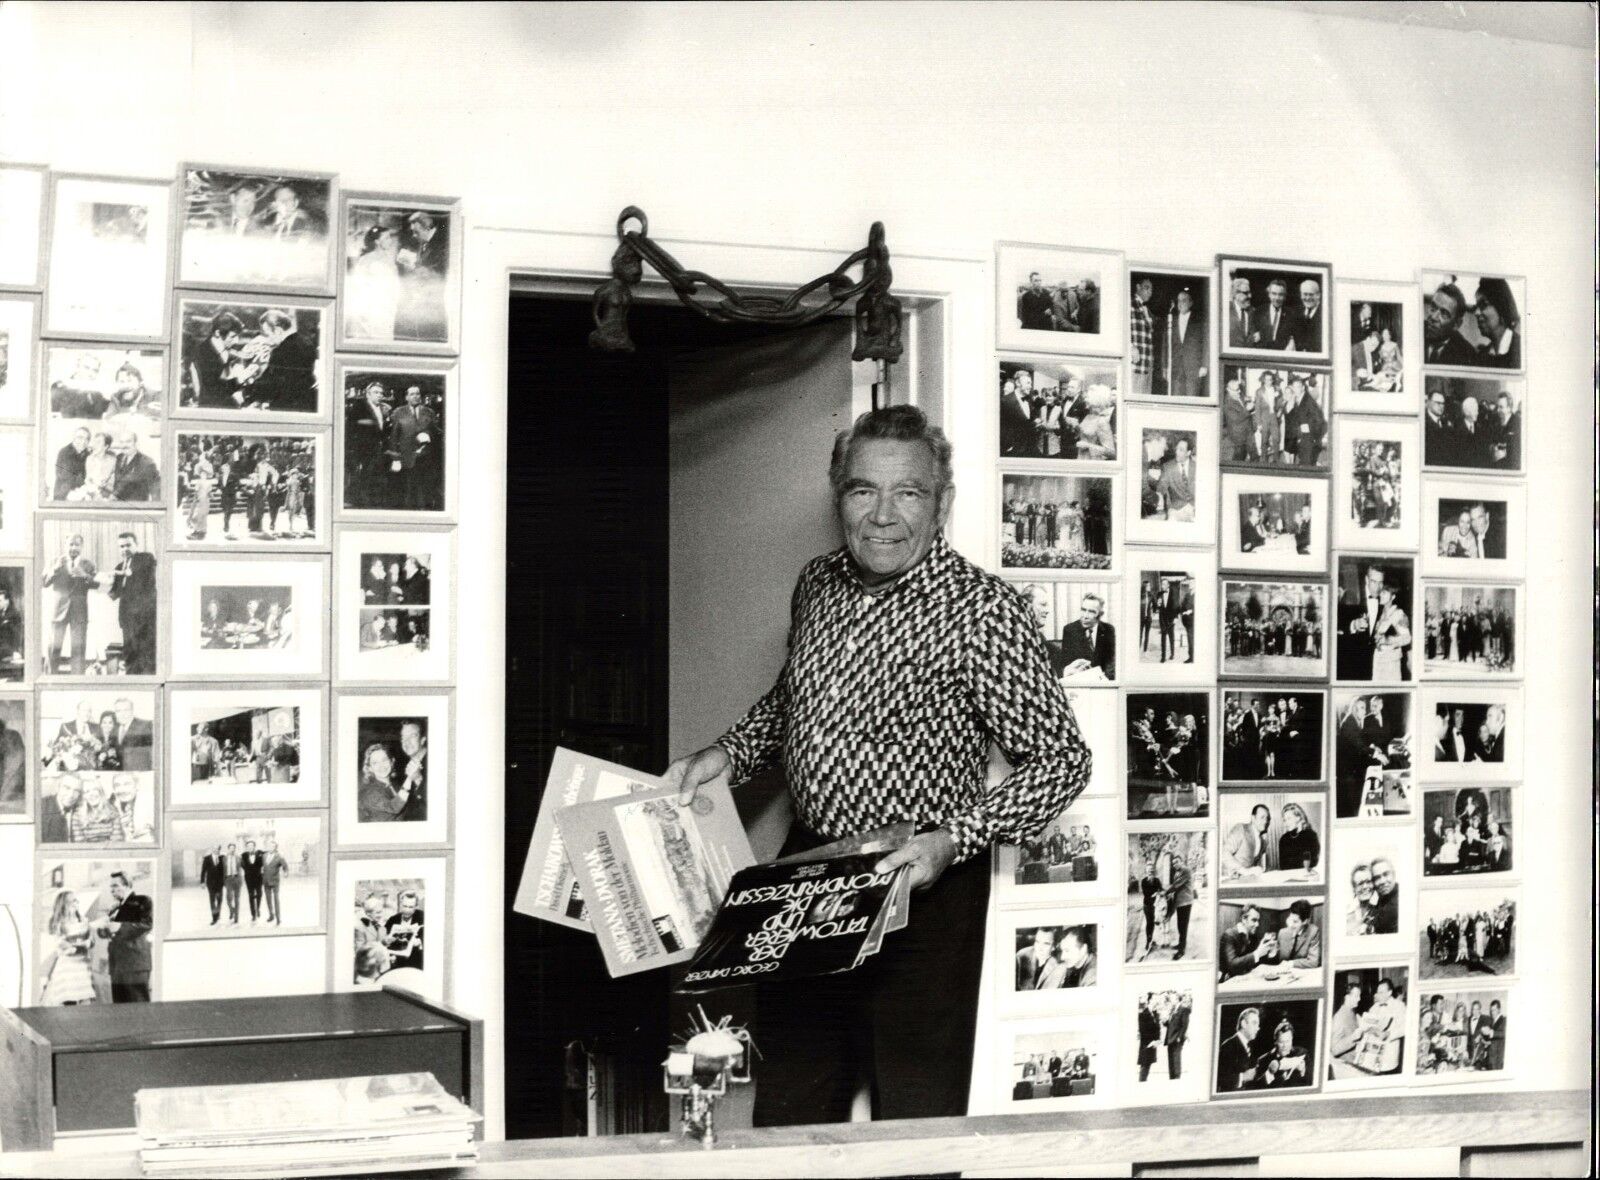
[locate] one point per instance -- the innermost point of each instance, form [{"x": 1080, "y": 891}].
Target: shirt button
[{"x": 850, "y": 645}]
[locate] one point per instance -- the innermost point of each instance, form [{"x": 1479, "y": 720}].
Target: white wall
[{"x": 1170, "y": 131}]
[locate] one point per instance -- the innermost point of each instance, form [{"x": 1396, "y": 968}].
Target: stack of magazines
[{"x": 341, "y": 1126}]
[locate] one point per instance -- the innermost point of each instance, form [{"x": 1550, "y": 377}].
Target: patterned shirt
[
  {"x": 1142, "y": 327},
  {"x": 886, "y": 705}
]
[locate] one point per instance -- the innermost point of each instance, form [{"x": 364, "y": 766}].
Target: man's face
[
  {"x": 126, "y": 547},
  {"x": 1297, "y": 390},
  {"x": 124, "y": 713},
  {"x": 1469, "y": 411},
  {"x": 1480, "y": 519},
  {"x": 413, "y": 397},
  {"x": 1374, "y": 581},
  {"x": 1089, "y": 612},
  {"x": 1043, "y": 942},
  {"x": 249, "y": 845},
  {"x": 74, "y": 547},
  {"x": 1250, "y": 921},
  {"x": 1276, "y": 292},
  {"x": 410, "y": 739},
  {"x": 1436, "y": 405},
  {"x": 1241, "y": 294},
  {"x": 1361, "y": 884},
  {"x": 80, "y": 439},
  {"x": 272, "y": 846},
  {"x": 122, "y": 443},
  {"x": 1185, "y": 303},
  {"x": 1310, "y": 297},
  {"x": 285, "y": 201},
  {"x": 243, "y": 201},
  {"x": 1034, "y": 283},
  {"x": 1292, "y": 922},
  {"x": 1073, "y": 952},
  {"x": 1254, "y": 514},
  {"x": 422, "y": 229},
  {"x": 1024, "y": 382},
  {"x": 891, "y": 506},
  {"x": 1503, "y": 405},
  {"x": 1250, "y": 1025},
  {"x": 119, "y": 888},
  {"x": 1440, "y": 315},
  {"x": 372, "y": 907},
  {"x": 1261, "y": 818},
  {"x": 1182, "y": 452},
  {"x": 127, "y": 380},
  {"x": 68, "y": 792},
  {"x": 124, "y": 789},
  {"x": 1144, "y": 290}
]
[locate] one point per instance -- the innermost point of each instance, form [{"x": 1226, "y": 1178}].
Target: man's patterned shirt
[{"x": 887, "y": 703}]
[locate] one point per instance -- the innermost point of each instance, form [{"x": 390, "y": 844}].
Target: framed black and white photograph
[
  {"x": 392, "y": 612},
  {"x": 16, "y": 477},
  {"x": 110, "y": 257},
  {"x": 1273, "y": 838},
  {"x": 1469, "y": 831},
  {"x": 1275, "y": 942},
  {"x": 1474, "y": 733},
  {"x": 1471, "y": 630},
  {"x": 1374, "y": 643},
  {"x": 1462, "y": 1036},
  {"x": 99, "y": 608},
  {"x": 1473, "y": 321},
  {"x": 400, "y": 273},
  {"x": 1169, "y": 754},
  {"x": 1049, "y": 1065},
  {"x": 1167, "y": 888},
  {"x": 16, "y": 634},
  {"x": 264, "y": 488},
  {"x": 390, "y": 925},
  {"x": 1274, "y": 522},
  {"x": 1267, "y": 1045},
  {"x": 1377, "y": 347},
  {"x": 94, "y": 927},
  {"x": 1071, "y": 859},
  {"x": 249, "y": 356},
  {"x": 1058, "y": 524},
  {"x": 1274, "y": 734},
  {"x": 103, "y": 425},
  {"x": 1474, "y": 528},
  {"x": 248, "y": 619},
  {"x": 1277, "y": 630},
  {"x": 260, "y": 229},
  {"x": 1166, "y": 1036},
  {"x": 246, "y": 747},
  {"x": 16, "y": 758},
  {"x": 1060, "y": 299},
  {"x": 1078, "y": 622},
  {"x": 1372, "y": 890},
  {"x": 396, "y": 439},
  {"x": 99, "y": 762},
  {"x": 1374, "y": 744},
  {"x": 1274, "y": 417},
  {"x": 1473, "y": 423},
  {"x": 1371, "y": 1025},
  {"x": 1173, "y": 638},
  {"x": 391, "y": 769},
  {"x": 1274, "y": 306},
  {"x": 19, "y": 354},
  {"x": 1059, "y": 408},
  {"x": 1052, "y": 959},
  {"x": 247, "y": 874},
  {"x": 22, "y": 207},
  {"x": 1377, "y": 483},
  {"x": 1170, "y": 501},
  {"x": 1098, "y": 712},
  {"x": 1467, "y": 933},
  {"x": 1170, "y": 337}
]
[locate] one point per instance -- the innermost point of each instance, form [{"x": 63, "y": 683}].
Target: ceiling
[{"x": 1566, "y": 22}]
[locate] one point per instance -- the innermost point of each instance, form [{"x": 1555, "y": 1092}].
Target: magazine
[{"x": 653, "y": 872}]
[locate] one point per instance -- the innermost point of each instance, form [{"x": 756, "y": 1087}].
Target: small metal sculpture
[
  {"x": 877, "y": 312},
  {"x": 700, "y": 1069}
]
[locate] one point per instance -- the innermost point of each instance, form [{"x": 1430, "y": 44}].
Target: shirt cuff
[
  {"x": 741, "y": 757},
  {"x": 972, "y": 834}
]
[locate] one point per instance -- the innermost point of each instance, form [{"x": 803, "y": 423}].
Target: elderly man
[
  {"x": 1358, "y": 918},
  {"x": 905, "y": 661},
  {"x": 128, "y": 927},
  {"x": 136, "y": 477},
  {"x": 1305, "y": 426},
  {"x": 1386, "y": 898},
  {"x": 1307, "y": 336},
  {"x": 1090, "y": 643},
  {"x": 1273, "y": 325},
  {"x": 1182, "y": 350},
  {"x": 71, "y": 463},
  {"x": 1241, "y": 330},
  {"x": 1443, "y": 344}
]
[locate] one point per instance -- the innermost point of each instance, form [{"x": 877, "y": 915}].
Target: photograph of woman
[
  {"x": 65, "y": 970},
  {"x": 390, "y": 793}
]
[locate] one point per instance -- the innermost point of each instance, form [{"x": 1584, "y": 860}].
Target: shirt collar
[{"x": 922, "y": 578}]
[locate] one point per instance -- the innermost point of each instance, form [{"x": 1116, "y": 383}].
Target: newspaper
[
  {"x": 549, "y": 887},
  {"x": 653, "y": 873}
]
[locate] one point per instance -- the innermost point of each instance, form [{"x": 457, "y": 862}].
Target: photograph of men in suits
[
  {"x": 1241, "y": 316},
  {"x": 1090, "y": 643},
  {"x": 1477, "y": 529},
  {"x": 1307, "y": 335},
  {"x": 133, "y": 587},
  {"x": 252, "y": 862},
  {"x": 1361, "y": 581},
  {"x": 1236, "y": 1057},
  {"x": 1272, "y": 326},
  {"x": 1443, "y": 342},
  {"x": 213, "y": 873},
  {"x": 128, "y": 926},
  {"x": 1182, "y": 348},
  {"x": 71, "y": 578},
  {"x": 394, "y": 453}
]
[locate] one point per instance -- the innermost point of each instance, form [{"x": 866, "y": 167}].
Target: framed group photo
[
  {"x": 1059, "y": 409},
  {"x": 1471, "y": 630},
  {"x": 247, "y": 875},
  {"x": 1374, "y": 754},
  {"x": 19, "y": 354},
  {"x": 1172, "y": 639},
  {"x": 1060, "y": 299},
  {"x": 110, "y": 262},
  {"x": 393, "y": 603},
  {"x": 1058, "y": 959},
  {"x": 1274, "y": 522},
  {"x": 1474, "y": 734},
  {"x": 99, "y": 608},
  {"x": 1078, "y": 622},
  {"x": 1466, "y": 934},
  {"x": 246, "y": 747},
  {"x": 1274, "y": 417},
  {"x": 400, "y": 273},
  {"x": 1073, "y": 859},
  {"x": 1275, "y": 306},
  {"x": 392, "y": 770},
  {"x": 245, "y": 618},
  {"x": 1168, "y": 884},
  {"x": 1063, "y": 1063},
  {"x": 1377, "y": 483},
  {"x": 1169, "y": 503},
  {"x": 95, "y": 928},
  {"x": 266, "y": 230},
  {"x": 1170, "y": 741},
  {"x": 1473, "y": 321},
  {"x": 1274, "y": 734},
  {"x": 1377, "y": 348},
  {"x": 391, "y": 924},
  {"x": 251, "y": 356},
  {"x": 1372, "y": 890},
  {"x": 1473, "y": 424},
  {"x": 1166, "y": 1038},
  {"x": 100, "y": 761},
  {"x": 1470, "y": 831},
  {"x": 396, "y": 440},
  {"x": 1170, "y": 334},
  {"x": 1274, "y": 629},
  {"x": 1375, "y": 641},
  {"x": 1058, "y": 524},
  {"x": 103, "y": 425},
  {"x": 22, "y": 218},
  {"x": 262, "y": 488}
]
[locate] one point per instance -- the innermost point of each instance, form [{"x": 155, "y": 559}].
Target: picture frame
[
  {"x": 1486, "y": 332},
  {"x": 1437, "y": 961},
  {"x": 1056, "y": 410},
  {"x": 1358, "y": 657},
  {"x": 1169, "y": 760},
  {"x": 87, "y": 877},
  {"x": 384, "y": 720},
  {"x": 16, "y": 491},
  {"x": 19, "y": 651},
  {"x": 1274, "y": 522},
  {"x": 1302, "y": 1013},
  {"x": 123, "y": 636},
  {"x": 1377, "y": 346},
  {"x": 1096, "y": 294},
  {"x": 255, "y": 229},
  {"x": 1367, "y": 922},
  {"x": 1168, "y": 642},
  {"x": 357, "y": 878},
  {"x": 1295, "y": 752},
  {"x": 101, "y": 399},
  {"x": 19, "y": 351},
  {"x": 1081, "y": 652},
  {"x": 1443, "y": 1053},
  {"x": 1488, "y": 649},
  {"x": 1085, "y": 540},
  {"x": 1023, "y": 1051},
  {"x": 1082, "y": 972},
  {"x": 366, "y": 451},
  {"x": 1274, "y": 628},
  {"x": 199, "y": 849},
  {"x": 1498, "y": 531},
  {"x": 1157, "y": 934},
  {"x": 397, "y": 300},
  {"x": 1371, "y": 455},
  {"x": 398, "y": 628},
  {"x": 18, "y": 758},
  {"x": 1169, "y": 494},
  {"x": 100, "y": 758},
  {"x": 1372, "y": 1031},
  {"x": 22, "y": 225},
  {"x": 1098, "y": 712},
  {"x": 200, "y": 778},
  {"x": 110, "y": 261},
  {"x": 1173, "y": 1065},
  {"x": 1259, "y": 433},
  {"x": 1278, "y": 910},
  {"x": 1179, "y": 369},
  {"x": 1497, "y": 408},
  {"x": 1282, "y": 856},
  {"x": 1375, "y": 739},
  {"x": 1301, "y": 324},
  {"x": 245, "y": 968},
  {"x": 1446, "y": 754},
  {"x": 295, "y": 649},
  {"x": 1451, "y": 852},
  {"x": 252, "y": 356},
  {"x": 1074, "y": 859},
  {"x": 200, "y": 456}
]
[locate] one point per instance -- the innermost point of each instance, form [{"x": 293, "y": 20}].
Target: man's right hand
[{"x": 689, "y": 774}]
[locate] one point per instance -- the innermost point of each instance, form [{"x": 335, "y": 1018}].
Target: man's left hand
[{"x": 929, "y": 855}]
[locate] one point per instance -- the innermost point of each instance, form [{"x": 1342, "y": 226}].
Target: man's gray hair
[{"x": 896, "y": 424}]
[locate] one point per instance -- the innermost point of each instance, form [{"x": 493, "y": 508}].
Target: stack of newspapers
[{"x": 341, "y": 1126}]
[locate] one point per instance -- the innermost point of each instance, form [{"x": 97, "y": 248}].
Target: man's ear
[{"x": 947, "y": 496}]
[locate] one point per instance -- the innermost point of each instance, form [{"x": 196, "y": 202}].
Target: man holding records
[{"x": 905, "y": 661}]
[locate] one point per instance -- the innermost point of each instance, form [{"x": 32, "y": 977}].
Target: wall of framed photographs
[
  {"x": 1272, "y": 524},
  {"x": 227, "y": 625}
]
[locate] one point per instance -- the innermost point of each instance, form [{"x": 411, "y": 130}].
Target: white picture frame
[
  {"x": 1281, "y": 498},
  {"x": 1267, "y": 975},
  {"x": 128, "y": 760},
  {"x": 1494, "y": 896},
  {"x": 1055, "y": 994},
  {"x": 1498, "y": 444},
  {"x": 1500, "y": 763},
  {"x": 293, "y": 332},
  {"x": 1499, "y": 803},
  {"x": 1427, "y": 1070},
  {"x": 22, "y": 224},
  {"x": 268, "y": 710},
  {"x": 1362, "y": 848},
  {"x": 1142, "y": 648},
  {"x": 1152, "y": 945},
  {"x": 362, "y": 656},
  {"x": 1069, "y": 384},
  {"x": 357, "y": 498},
  {"x": 302, "y": 838},
  {"x": 1015, "y": 262},
  {"x": 110, "y": 264},
  {"x": 1158, "y": 1087},
  {"x": 387, "y": 875},
  {"x": 1472, "y": 326},
  {"x": 1365, "y": 1066},
  {"x": 1054, "y": 881},
  {"x": 19, "y": 351},
  {"x": 277, "y": 243},
  {"x": 1145, "y": 429},
  {"x": 404, "y": 305},
  {"x": 86, "y": 876},
  {"x": 1502, "y": 656},
  {"x": 283, "y": 447},
  {"x": 1374, "y": 379},
  {"x": 1094, "y": 492},
  {"x": 1288, "y": 600},
  {"x": 1166, "y": 282},
  {"x": 1300, "y": 339},
  {"x": 1444, "y": 500},
  {"x": 1376, "y": 522},
  {"x": 299, "y": 579},
  {"x": 386, "y": 712}
]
